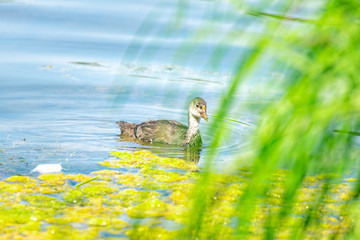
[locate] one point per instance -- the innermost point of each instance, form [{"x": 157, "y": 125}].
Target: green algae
[
  {"x": 97, "y": 190},
  {"x": 150, "y": 207},
  {"x": 23, "y": 179},
  {"x": 169, "y": 177},
  {"x": 43, "y": 201},
  {"x": 49, "y": 207},
  {"x": 145, "y": 159},
  {"x": 106, "y": 172},
  {"x": 130, "y": 197},
  {"x": 130, "y": 180},
  {"x": 74, "y": 196},
  {"x": 149, "y": 233}
]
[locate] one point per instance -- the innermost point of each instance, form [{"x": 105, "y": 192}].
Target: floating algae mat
[{"x": 154, "y": 202}]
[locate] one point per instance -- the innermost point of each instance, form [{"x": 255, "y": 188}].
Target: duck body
[
  {"x": 159, "y": 132},
  {"x": 169, "y": 131}
]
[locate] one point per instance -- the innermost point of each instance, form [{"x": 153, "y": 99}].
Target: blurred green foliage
[{"x": 320, "y": 94}]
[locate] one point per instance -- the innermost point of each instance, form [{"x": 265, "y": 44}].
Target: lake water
[{"x": 70, "y": 69}]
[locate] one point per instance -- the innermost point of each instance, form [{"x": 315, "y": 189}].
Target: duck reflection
[{"x": 192, "y": 154}]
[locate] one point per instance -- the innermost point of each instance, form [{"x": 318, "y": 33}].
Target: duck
[{"x": 169, "y": 132}]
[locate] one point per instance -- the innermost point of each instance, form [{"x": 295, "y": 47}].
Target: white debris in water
[{"x": 47, "y": 168}]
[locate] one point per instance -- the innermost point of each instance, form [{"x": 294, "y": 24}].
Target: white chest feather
[{"x": 193, "y": 128}]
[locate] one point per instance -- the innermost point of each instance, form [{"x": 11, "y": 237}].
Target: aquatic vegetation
[
  {"x": 150, "y": 207},
  {"x": 51, "y": 207},
  {"x": 149, "y": 233},
  {"x": 145, "y": 159},
  {"x": 52, "y": 179},
  {"x": 106, "y": 172},
  {"x": 19, "y": 179}
]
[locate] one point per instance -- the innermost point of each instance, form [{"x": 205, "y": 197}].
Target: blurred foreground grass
[{"x": 320, "y": 94}]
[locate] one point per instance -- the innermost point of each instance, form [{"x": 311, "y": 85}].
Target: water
[{"x": 68, "y": 71}]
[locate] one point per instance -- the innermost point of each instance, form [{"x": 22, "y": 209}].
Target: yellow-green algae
[
  {"x": 142, "y": 159},
  {"x": 49, "y": 207}
]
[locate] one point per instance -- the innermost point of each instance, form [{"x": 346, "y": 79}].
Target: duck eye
[{"x": 197, "y": 105}]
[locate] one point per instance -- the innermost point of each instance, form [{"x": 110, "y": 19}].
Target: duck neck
[{"x": 193, "y": 127}]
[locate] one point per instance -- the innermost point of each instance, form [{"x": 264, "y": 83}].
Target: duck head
[{"x": 197, "y": 108}]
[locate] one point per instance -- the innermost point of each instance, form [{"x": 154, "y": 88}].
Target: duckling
[{"x": 169, "y": 131}]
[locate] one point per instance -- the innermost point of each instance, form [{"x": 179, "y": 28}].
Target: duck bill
[{"x": 204, "y": 116}]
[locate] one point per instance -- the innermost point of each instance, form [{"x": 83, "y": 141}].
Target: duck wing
[{"x": 161, "y": 131}]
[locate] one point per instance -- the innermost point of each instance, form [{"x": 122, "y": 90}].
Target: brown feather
[{"x": 127, "y": 129}]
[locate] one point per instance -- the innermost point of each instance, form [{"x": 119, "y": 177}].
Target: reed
[{"x": 296, "y": 132}]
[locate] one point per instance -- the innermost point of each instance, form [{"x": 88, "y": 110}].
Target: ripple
[{"x": 230, "y": 146}]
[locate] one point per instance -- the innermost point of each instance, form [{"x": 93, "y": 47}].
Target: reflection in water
[{"x": 191, "y": 154}]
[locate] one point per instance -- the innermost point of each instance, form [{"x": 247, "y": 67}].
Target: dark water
[{"x": 70, "y": 69}]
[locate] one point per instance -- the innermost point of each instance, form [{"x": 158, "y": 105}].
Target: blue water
[{"x": 70, "y": 69}]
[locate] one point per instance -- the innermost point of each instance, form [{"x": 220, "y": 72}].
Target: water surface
[{"x": 69, "y": 70}]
